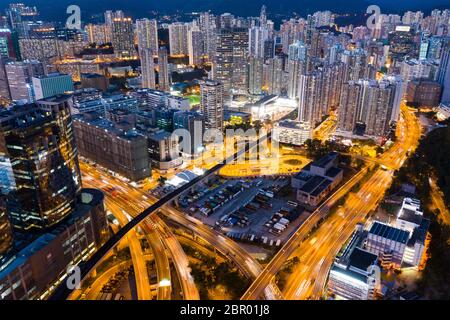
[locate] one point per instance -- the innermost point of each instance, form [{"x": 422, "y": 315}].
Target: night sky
[{"x": 55, "y": 10}]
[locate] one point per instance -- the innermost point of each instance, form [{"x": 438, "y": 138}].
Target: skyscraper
[
  {"x": 310, "y": 98},
  {"x": 40, "y": 143},
  {"x": 263, "y": 16},
  {"x": 6, "y": 44},
  {"x": 195, "y": 45},
  {"x": 230, "y": 67},
  {"x": 255, "y": 75},
  {"x": 147, "y": 68},
  {"x": 178, "y": 38},
  {"x": 163, "y": 70},
  {"x": 4, "y": 85},
  {"x": 208, "y": 29},
  {"x": 211, "y": 103},
  {"x": 240, "y": 53},
  {"x": 348, "y": 107},
  {"x": 275, "y": 75},
  {"x": 98, "y": 33},
  {"x": 444, "y": 74},
  {"x": 147, "y": 35},
  {"x": 123, "y": 37},
  {"x": 19, "y": 76},
  {"x": 257, "y": 38},
  {"x": 111, "y": 15},
  {"x": 296, "y": 66},
  {"x": 370, "y": 103},
  {"x": 6, "y": 238},
  {"x": 355, "y": 63}
]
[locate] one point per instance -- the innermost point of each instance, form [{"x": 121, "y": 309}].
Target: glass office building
[{"x": 39, "y": 141}]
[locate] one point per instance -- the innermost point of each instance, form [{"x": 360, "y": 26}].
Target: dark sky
[{"x": 56, "y": 9}]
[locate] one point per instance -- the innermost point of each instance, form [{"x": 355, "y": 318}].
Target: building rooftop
[
  {"x": 325, "y": 160},
  {"x": 292, "y": 124},
  {"x": 52, "y": 75},
  {"x": 93, "y": 119},
  {"x": 91, "y": 75},
  {"x": 420, "y": 233},
  {"x": 349, "y": 273},
  {"x": 388, "y": 232},
  {"x": 410, "y": 211},
  {"x": 60, "y": 98},
  {"x": 362, "y": 259},
  {"x": 410, "y": 216},
  {"x": 322, "y": 186},
  {"x": 266, "y": 99},
  {"x": 333, "y": 172},
  {"x": 159, "y": 135},
  {"x": 22, "y": 116}
]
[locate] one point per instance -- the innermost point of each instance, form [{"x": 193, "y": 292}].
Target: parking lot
[{"x": 255, "y": 211}]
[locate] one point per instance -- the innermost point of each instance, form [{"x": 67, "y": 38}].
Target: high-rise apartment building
[
  {"x": 147, "y": 68},
  {"x": 255, "y": 75},
  {"x": 230, "y": 67},
  {"x": 309, "y": 96},
  {"x": 195, "y": 45},
  {"x": 443, "y": 76},
  {"x": 178, "y": 38},
  {"x": 296, "y": 66},
  {"x": 19, "y": 76},
  {"x": 373, "y": 104},
  {"x": 208, "y": 28},
  {"x": 123, "y": 37},
  {"x": 257, "y": 38},
  {"x": 98, "y": 33},
  {"x": 163, "y": 70},
  {"x": 147, "y": 35},
  {"x": 275, "y": 75},
  {"x": 211, "y": 103}
]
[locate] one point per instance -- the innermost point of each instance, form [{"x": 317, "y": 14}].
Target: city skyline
[{"x": 225, "y": 156}]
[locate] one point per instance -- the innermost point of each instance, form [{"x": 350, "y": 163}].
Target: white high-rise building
[
  {"x": 275, "y": 75},
  {"x": 163, "y": 70},
  {"x": 255, "y": 75},
  {"x": 20, "y": 75},
  {"x": 178, "y": 38},
  {"x": 209, "y": 31},
  {"x": 195, "y": 45},
  {"x": 444, "y": 74},
  {"x": 147, "y": 35},
  {"x": 147, "y": 68},
  {"x": 310, "y": 98},
  {"x": 296, "y": 66},
  {"x": 256, "y": 39},
  {"x": 211, "y": 104},
  {"x": 123, "y": 37}
]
